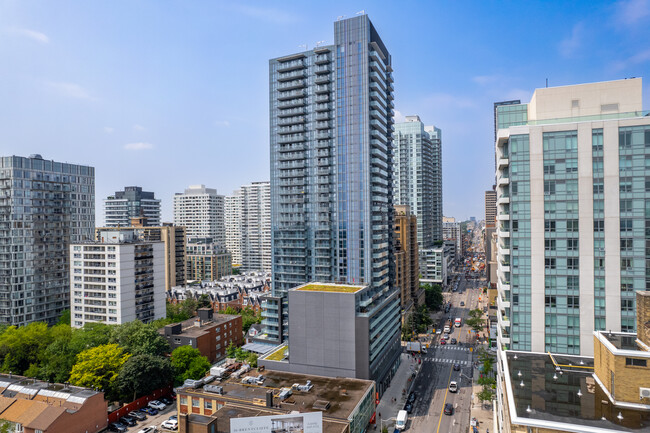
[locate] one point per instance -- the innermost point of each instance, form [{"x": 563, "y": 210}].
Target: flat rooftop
[
  {"x": 331, "y": 288},
  {"x": 541, "y": 395},
  {"x": 189, "y": 328},
  {"x": 623, "y": 340},
  {"x": 224, "y": 415},
  {"x": 342, "y": 394}
]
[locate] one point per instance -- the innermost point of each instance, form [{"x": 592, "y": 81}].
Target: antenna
[{"x": 547, "y": 82}]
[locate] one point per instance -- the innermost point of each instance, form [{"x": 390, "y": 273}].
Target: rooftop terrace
[{"x": 332, "y": 288}]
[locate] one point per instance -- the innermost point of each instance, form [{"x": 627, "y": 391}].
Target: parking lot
[{"x": 155, "y": 420}]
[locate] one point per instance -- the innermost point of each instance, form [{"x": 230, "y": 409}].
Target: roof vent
[{"x": 35, "y": 156}]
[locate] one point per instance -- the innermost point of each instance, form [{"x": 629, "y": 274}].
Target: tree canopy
[
  {"x": 98, "y": 367},
  {"x": 143, "y": 374},
  {"x": 188, "y": 363}
]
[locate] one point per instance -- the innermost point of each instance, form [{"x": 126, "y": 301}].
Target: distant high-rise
[
  {"x": 331, "y": 178},
  {"x": 490, "y": 208},
  {"x": 121, "y": 207},
  {"x": 44, "y": 206},
  {"x": 248, "y": 226},
  {"x": 572, "y": 198},
  {"x": 201, "y": 211},
  {"x": 406, "y": 259},
  {"x": 417, "y": 179},
  {"x": 452, "y": 231}
]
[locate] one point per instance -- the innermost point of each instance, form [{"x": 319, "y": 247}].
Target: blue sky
[{"x": 165, "y": 94}]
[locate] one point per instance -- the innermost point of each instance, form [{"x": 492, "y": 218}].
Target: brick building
[{"x": 210, "y": 333}]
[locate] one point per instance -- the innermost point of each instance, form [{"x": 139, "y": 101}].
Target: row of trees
[
  {"x": 486, "y": 379},
  {"x": 187, "y": 308},
  {"x": 433, "y": 298}
]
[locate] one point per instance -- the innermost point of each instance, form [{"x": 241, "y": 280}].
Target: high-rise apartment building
[
  {"x": 572, "y": 194},
  {"x": 207, "y": 261},
  {"x": 248, "y": 226},
  {"x": 121, "y": 207},
  {"x": 490, "y": 208},
  {"x": 417, "y": 177},
  {"x": 232, "y": 219},
  {"x": 173, "y": 239},
  {"x": 44, "y": 206},
  {"x": 117, "y": 280},
  {"x": 452, "y": 231},
  {"x": 201, "y": 211},
  {"x": 331, "y": 177},
  {"x": 407, "y": 270},
  {"x": 490, "y": 230}
]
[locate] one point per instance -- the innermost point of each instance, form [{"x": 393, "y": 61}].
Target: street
[{"x": 437, "y": 369}]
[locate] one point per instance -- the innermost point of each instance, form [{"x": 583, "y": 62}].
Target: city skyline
[{"x": 140, "y": 95}]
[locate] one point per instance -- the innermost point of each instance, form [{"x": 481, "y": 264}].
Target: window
[
  {"x": 572, "y": 263},
  {"x": 549, "y": 226},
  {"x": 19, "y": 428},
  {"x": 625, "y": 186},
  {"x": 572, "y": 225},
  {"x": 515, "y": 299},
  {"x": 598, "y": 188},
  {"x": 549, "y": 169},
  {"x": 549, "y": 244},
  {"x": 184, "y": 400},
  {"x": 549, "y": 263},
  {"x": 550, "y": 301},
  {"x": 573, "y": 283},
  {"x": 549, "y": 187},
  {"x": 626, "y": 264},
  {"x": 599, "y": 225},
  {"x": 627, "y": 305},
  {"x": 573, "y": 301},
  {"x": 515, "y": 226},
  {"x": 207, "y": 404},
  {"x": 626, "y": 205},
  {"x": 599, "y": 263},
  {"x": 196, "y": 402},
  {"x": 635, "y": 362},
  {"x": 572, "y": 244},
  {"x": 627, "y": 244},
  {"x": 626, "y": 225}
]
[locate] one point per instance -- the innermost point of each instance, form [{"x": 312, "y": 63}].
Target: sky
[{"x": 166, "y": 94}]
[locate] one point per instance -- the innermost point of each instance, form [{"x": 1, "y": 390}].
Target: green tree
[
  {"x": 231, "y": 350},
  {"x": 65, "y": 318},
  {"x": 138, "y": 338},
  {"x": 485, "y": 395},
  {"x": 99, "y": 367},
  {"x": 204, "y": 301},
  {"x": 22, "y": 347},
  {"x": 249, "y": 317},
  {"x": 475, "y": 320},
  {"x": 91, "y": 335},
  {"x": 142, "y": 374},
  {"x": 487, "y": 381},
  {"x": 188, "y": 363},
  {"x": 433, "y": 298},
  {"x": 6, "y": 426},
  {"x": 189, "y": 306}
]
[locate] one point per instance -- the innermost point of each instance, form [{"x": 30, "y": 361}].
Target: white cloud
[
  {"x": 137, "y": 127},
  {"x": 569, "y": 46},
  {"x": 399, "y": 117},
  {"x": 138, "y": 146},
  {"x": 630, "y": 12},
  {"x": 224, "y": 123},
  {"x": 108, "y": 129},
  {"x": 267, "y": 14},
  {"x": 70, "y": 90},
  {"x": 638, "y": 58},
  {"x": 31, "y": 34}
]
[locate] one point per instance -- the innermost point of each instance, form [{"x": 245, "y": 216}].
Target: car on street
[
  {"x": 149, "y": 411},
  {"x": 155, "y": 404},
  {"x": 456, "y": 367},
  {"x": 442, "y": 342},
  {"x": 174, "y": 417},
  {"x": 140, "y": 416},
  {"x": 449, "y": 409},
  {"x": 127, "y": 420},
  {"x": 170, "y": 424},
  {"x": 408, "y": 407},
  {"x": 116, "y": 426},
  {"x": 150, "y": 429},
  {"x": 453, "y": 386},
  {"x": 445, "y": 336},
  {"x": 412, "y": 397},
  {"x": 462, "y": 303},
  {"x": 453, "y": 341},
  {"x": 438, "y": 331}
]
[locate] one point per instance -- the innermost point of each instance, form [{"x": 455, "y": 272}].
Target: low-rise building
[
  {"x": 434, "y": 264},
  {"x": 609, "y": 392},
  {"x": 347, "y": 405},
  {"x": 210, "y": 333},
  {"x": 32, "y": 406},
  {"x": 117, "y": 280},
  {"x": 207, "y": 260}
]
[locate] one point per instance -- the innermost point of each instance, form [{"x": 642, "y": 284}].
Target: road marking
[{"x": 451, "y": 370}]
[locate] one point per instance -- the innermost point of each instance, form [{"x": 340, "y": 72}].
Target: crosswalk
[
  {"x": 453, "y": 347},
  {"x": 450, "y": 361}
]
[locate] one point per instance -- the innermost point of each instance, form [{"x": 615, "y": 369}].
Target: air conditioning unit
[{"x": 644, "y": 393}]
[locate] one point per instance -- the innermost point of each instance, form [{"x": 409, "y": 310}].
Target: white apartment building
[
  {"x": 434, "y": 265},
  {"x": 573, "y": 188},
  {"x": 451, "y": 231},
  {"x": 201, "y": 211},
  {"x": 248, "y": 226},
  {"x": 117, "y": 281}
]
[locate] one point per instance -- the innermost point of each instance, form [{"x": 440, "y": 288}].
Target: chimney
[
  {"x": 643, "y": 317},
  {"x": 269, "y": 398}
]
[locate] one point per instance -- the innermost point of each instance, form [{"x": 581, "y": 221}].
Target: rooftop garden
[{"x": 336, "y": 288}]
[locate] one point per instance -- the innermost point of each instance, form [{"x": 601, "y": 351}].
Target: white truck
[
  {"x": 414, "y": 346},
  {"x": 402, "y": 418}
]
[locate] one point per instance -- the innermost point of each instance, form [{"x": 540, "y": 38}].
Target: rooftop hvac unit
[
  {"x": 644, "y": 393},
  {"x": 213, "y": 388}
]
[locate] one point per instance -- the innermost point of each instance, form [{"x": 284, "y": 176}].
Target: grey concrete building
[{"x": 44, "y": 206}]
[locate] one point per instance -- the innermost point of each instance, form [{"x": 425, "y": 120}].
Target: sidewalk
[
  {"x": 393, "y": 400},
  {"x": 477, "y": 409}
]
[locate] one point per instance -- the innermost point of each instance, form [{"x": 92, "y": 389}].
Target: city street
[{"x": 437, "y": 369}]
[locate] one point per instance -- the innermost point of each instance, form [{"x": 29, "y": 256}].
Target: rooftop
[
  {"x": 224, "y": 415},
  {"x": 190, "y": 329},
  {"x": 559, "y": 392},
  {"x": 330, "y": 288},
  {"x": 343, "y": 394},
  {"x": 622, "y": 340}
]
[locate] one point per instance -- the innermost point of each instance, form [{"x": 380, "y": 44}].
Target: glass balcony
[{"x": 290, "y": 66}]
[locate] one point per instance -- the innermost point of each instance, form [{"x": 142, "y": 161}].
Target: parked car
[
  {"x": 116, "y": 426},
  {"x": 438, "y": 331},
  {"x": 166, "y": 400},
  {"x": 127, "y": 420},
  {"x": 462, "y": 303},
  {"x": 150, "y": 429},
  {"x": 412, "y": 397},
  {"x": 140, "y": 416},
  {"x": 408, "y": 407},
  {"x": 173, "y": 417},
  {"x": 454, "y": 341},
  {"x": 149, "y": 411},
  {"x": 449, "y": 409},
  {"x": 170, "y": 424},
  {"x": 155, "y": 404},
  {"x": 453, "y": 386},
  {"x": 456, "y": 367}
]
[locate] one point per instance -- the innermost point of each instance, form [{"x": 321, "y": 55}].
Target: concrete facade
[
  {"x": 123, "y": 206},
  {"x": 201, "y": 211},
  {"x": 407, "y": 269}
]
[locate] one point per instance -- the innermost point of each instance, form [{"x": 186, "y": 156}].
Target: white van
[{"x": 402, "y": 417}]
